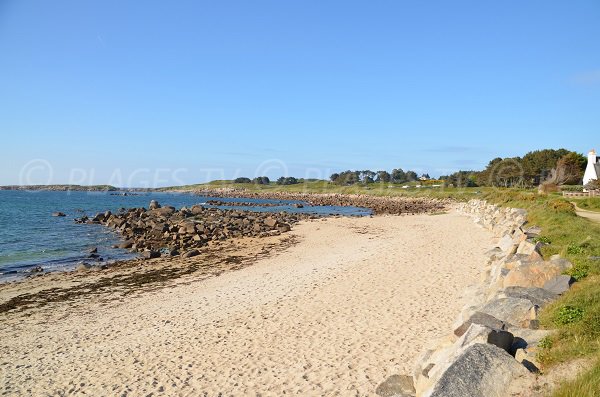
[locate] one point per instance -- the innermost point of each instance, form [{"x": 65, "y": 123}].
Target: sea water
[{"x": 30, "y": 236}]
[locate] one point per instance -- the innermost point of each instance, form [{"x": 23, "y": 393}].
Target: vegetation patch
[
  {"x": 569, "y": 315},
  {"x": 590, "y": 203},
  {"x": 543, "y": 240}
]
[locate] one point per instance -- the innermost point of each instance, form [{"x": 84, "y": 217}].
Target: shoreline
[
  {"x": 380, "y": 205},
  {"x": 60, "y": 216},
  {"x": 125, "y": 277},
  {"x": 346, "y": 304},
  {"x": 159, "y": 231}
]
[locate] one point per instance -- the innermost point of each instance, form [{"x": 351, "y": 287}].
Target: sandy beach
[{"x": 351, "y": 302}]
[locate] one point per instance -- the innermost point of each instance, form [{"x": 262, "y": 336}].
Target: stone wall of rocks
[{"x": 492, "y": 348}]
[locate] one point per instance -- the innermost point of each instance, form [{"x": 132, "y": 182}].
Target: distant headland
[{"x": 62, "y": 188}]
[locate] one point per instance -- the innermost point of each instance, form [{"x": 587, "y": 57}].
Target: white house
[{"x": 593, "y": 168}]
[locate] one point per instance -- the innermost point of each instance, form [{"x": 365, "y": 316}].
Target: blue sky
[{"x": 137, "y": 93}]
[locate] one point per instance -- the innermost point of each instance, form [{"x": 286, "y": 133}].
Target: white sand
[{"x": 350, "y": 305}]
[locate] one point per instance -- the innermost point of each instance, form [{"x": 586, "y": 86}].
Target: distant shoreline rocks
[
  {"x": 61, "y": 188},
  {"x": 379, "y": 205}
]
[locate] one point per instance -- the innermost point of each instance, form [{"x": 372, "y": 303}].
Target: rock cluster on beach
[
  {"x": 158, "y": 231},
  {"x": 379, "y": 205},
  {"x": 492, "y": 349},
  {"x": 165, "y": 231}
]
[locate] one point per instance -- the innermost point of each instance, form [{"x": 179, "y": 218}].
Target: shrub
[
  {"x": 261, "y": 180},
  {"x": 545, "y": 343},
  {"x": 574, "y": 249},
  {"x": 242, "y": 180},
  {"x": 561, "y": 206},
  {"x": 569, "y": 315},
  {"x": 579, "y": 271},
  {"x": 287, "y": 181},
  {"x": 543, "y": 240},
  {"x": 572, "y": 188}
]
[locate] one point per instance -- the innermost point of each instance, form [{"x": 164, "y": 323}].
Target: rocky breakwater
[
  {"x": 166, "y": 231},
  {"x": 492, "y": 348},
  {"x": 378, "y": 204}
]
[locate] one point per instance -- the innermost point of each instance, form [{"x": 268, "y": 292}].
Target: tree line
[
  {"x": 367, "y": 176},
  {"x": 548, "y": 166},
  {"x": 264, "y": 180},
  {"x": 539, "y": 167}
]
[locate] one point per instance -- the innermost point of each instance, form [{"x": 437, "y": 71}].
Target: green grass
[
  {"x": 590, "y": 203},
  {"x": 575, "y": 315},
  {"x": 320, "y": 186}
]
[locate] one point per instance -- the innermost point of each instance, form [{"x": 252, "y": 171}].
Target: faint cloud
[{"x": 591, "y": 77}]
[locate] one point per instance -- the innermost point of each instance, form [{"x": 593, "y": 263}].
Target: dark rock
[
  {"x": 191, "y": 253},
  {"x": 502, "y": 339},
  {"x": 37, "y": 269},
  {"x": 478, "y": 333},
  {"x": 60, "y": 214},
  {"x": 481, "y": 319},
  {"x": 538, "y": 296},
  {"x": 149, "y": 254},
  {"x": 559, "y": 284},
  {"x": 98, "y": 218},
  {"x": 93, "y": 250},
  {"x": 153, "y": 205},
  {"x": 284, "y": 228},
  {"x": 482, "y": 370},
  {"x": 515, "y": 311},
  {"x": 397, "y": 386}
]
